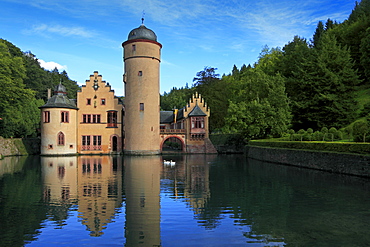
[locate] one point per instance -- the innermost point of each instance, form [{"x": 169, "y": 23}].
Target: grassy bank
[{"x": 342, "y": 147}]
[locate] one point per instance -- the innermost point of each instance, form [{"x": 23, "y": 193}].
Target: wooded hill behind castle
[{"x": 309, "y": 83}]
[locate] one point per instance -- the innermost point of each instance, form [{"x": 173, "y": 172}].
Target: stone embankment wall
[
  {"x": 19, "y": 146},
  {"x": 343, "y": 163}
]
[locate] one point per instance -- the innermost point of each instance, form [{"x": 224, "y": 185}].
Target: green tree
[
  {"x": 176, "y": 98},
  {"x": 325, "y": 82},
  {"x": 215, "y": 91},
  {"x": 206, "y": 76},
  {"x": 258, "y": 107},
  {"x": 320, "y": 30},
  {"x": 18, "y": 107},
  {"x": 268, "y": 60},
  {"x": 365, "y": 54}
]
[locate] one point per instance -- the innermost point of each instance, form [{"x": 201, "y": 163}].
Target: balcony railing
[
  {"x": 91, "y": 147},
  {"x": 172, "y": 131}
]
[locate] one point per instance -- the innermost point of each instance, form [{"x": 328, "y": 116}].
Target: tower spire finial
[{"x": 142, "y": 18}]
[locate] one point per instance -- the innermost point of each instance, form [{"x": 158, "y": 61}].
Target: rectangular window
[
  {"x": 85, "y": 140},
  {"x": 96, "y": 118},
  {"x": 197, "y": 123},
  {"x": 141, "y": 106},
  {"x": 133, "y": 47},
  {"x": 140, "y": 73},
  {"x": 88, "y": 101},
  {"x": 102, "y": 101},
  {"x": 46, "y": 117},
  {"x": 64, "y": 117},
  {"x": 91, "y": 143},
  {"x": 91, "y": 118},
  {"x": 96, "y": 140},
  {"x": 112, "y": 119}
]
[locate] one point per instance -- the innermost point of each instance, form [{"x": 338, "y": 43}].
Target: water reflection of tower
[
  {"x": 142, "y": 188},
  {"x": 60, "y": 184},
  {"x": 99, "y": 190}
]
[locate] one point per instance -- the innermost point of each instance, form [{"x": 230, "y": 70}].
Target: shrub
[{"x": 360, "y": 129}]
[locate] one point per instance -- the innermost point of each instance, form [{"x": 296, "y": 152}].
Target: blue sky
[{"x": 83, "y": 36}]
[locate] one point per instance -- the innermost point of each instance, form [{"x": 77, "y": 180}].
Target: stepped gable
[{"x": 196, "y": 107}]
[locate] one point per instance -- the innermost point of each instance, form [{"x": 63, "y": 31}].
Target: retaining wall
[
  {"x": 343, "y": 163},
  {"x": 19, "y": 146}
]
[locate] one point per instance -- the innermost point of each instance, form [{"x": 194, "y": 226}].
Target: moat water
[{"x": 201, "y": 200}]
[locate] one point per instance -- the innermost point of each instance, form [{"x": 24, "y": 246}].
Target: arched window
[{"x": 61, "y": 138}]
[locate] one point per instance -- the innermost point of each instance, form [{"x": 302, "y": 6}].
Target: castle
[{"x": 98, "y": 122}]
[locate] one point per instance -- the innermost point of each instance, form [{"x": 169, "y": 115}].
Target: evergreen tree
[
  {"x": 327, "y": 83},
  {"x": 318, "y": 33},
  {"x": 365, "y": 54},
  {"x": 360, "y": 11}
]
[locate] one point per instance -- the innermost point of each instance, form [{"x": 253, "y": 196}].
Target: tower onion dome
[
  {"x": 142, "y": 33},
  {"x": 60, "y": 99},
  {"x": 60, "y": 89}
]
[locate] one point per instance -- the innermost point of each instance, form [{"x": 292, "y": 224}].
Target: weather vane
[{"x": 142, "y": 18}]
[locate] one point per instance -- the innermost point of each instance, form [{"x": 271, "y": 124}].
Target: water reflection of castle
[{"x": 96, "y": 184}]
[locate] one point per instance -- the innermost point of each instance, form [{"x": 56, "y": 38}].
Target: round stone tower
[
  {"x": 142, "y": 57},
  {"x": 59, "y": 124}
]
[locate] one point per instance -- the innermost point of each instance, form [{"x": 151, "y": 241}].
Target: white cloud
[
  {"x": 51, "y": 65},
  {"x": 60, "y": 30}
]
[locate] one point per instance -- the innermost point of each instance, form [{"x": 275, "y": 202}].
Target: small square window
[
  {"x": 140, "y": 73},
  {"x": 103, "y": 101}
]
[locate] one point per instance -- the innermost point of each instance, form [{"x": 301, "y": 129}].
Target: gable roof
[
  {"x": 197, "y": 112},
  {"x": 166, "y": 117}
]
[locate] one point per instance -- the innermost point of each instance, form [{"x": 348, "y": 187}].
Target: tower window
[
  {"x": 46, "y": 116},
  {"x": 61, "y": 138},
  {"x": 64, "y": 117},
  {"x": 133, "y": 47},
  {"x": 141, "y": 106},
  {"x": 140, "y": 73}
]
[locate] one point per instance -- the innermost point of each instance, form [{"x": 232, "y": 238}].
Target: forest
[
  {"x": 23, "y": 87},
  {"x": 311, "y": 84},
  {"x": 315, "y": 83}
]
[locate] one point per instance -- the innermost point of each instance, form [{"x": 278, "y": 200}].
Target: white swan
[{"x": 169, "y": 162}]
